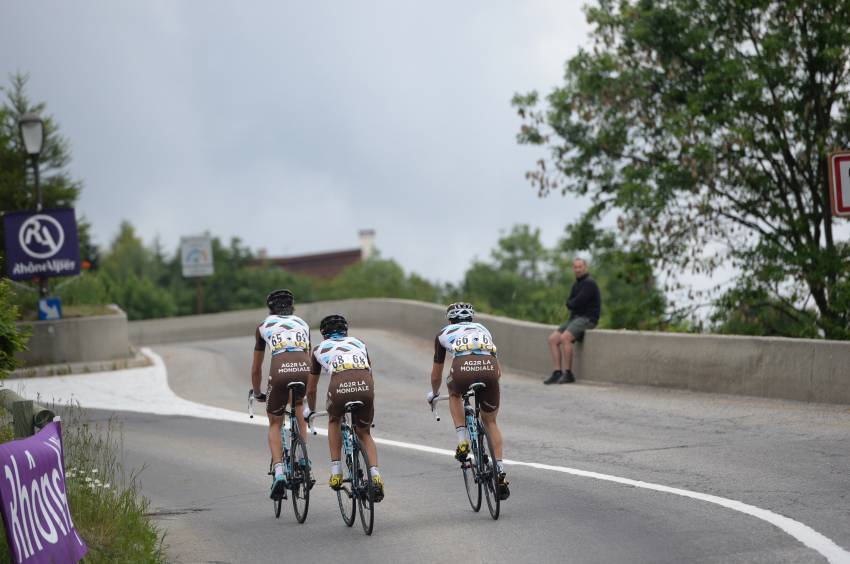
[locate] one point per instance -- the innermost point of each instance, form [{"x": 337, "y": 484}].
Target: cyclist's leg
[
  {"x": 275, "y": 442},
  {"x": 489, "y": 419},
  {"x": 334, "y": 436},
  {"x": 456, "y": 409},
  {"x": 368, "y": 443}
]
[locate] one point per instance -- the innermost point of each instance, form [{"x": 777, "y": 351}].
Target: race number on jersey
[
  {"x": 346, "y": 353},
  {"x": 467, "y": 338},
  {"x": 286, "y": 333}
]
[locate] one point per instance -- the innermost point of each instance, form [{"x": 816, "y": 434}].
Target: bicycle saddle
[
  {"x": 352, "y": 406},
  {"x": 293, "y": 385}
]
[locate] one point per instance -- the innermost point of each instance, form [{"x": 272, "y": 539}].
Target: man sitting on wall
[{"x": 584, "y": 305}]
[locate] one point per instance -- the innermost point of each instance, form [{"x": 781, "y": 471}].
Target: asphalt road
[{"x": 208, "y": 487}]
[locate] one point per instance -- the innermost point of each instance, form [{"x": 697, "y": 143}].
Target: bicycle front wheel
[
  {"x": 300, "y": 480},
  {"x": 344, "y": 497},
  {"x": 365, "y": 490},
  {"x": 487, "y": 472},
  {"x": 471, "y": 480}
]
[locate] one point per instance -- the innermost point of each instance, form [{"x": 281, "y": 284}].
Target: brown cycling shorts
[
  {"x": 352, "y": 385},
  {"x": 286, "y": 367},
  {"x": 467, "y": 370}
]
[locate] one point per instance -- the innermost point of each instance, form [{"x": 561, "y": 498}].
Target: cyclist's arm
[
  {"x": 313, "y": 382},
  {"x": 437, "y": 369},
  {"x": 257, "y": 364}
]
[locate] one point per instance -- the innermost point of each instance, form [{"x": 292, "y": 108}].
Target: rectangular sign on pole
[
  {"x": 839, "y": 183},
  {"x": 34, "y": 499},
  {"x": 196, "y": 256},
  {"x": 41, "y": 244}
]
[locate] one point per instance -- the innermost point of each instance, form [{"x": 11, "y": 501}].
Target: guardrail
[
  {"x": 26, "y": 414},
  {"x": 795, "y": 369}
]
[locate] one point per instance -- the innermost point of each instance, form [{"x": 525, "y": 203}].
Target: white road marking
[{"x": 146, "y": 390}]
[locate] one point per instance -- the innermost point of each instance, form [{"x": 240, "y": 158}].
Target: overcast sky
[{"x": 295, "y": 124}]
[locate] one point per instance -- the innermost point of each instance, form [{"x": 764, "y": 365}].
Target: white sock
[
  {"x": 462, "y": 434},
  {"x": 375, "y": 471},
  {"x": 500, "y": 468},
  {"x": 278, "y": 469},
  {"x": 336, "y": 467}
]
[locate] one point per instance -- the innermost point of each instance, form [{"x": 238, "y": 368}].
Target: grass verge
[{"x": 107, "y": 507}]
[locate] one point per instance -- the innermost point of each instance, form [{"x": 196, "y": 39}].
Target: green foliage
[
  {"x": 12, "y": 339},
  {"x": 705, "y": 125},
  {"x": 377, "y": 278},
  {"x": 751, "y": 311}
]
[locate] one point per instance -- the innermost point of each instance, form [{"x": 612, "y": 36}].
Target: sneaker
[
  {"x": 462, "y": 451},
  {"x": 504, "y": 490},
  {"x": 278, "y": 488},
  {"x": 335, "y": 482},
  {"x": 377, "y": 489},
  {"x": 556, "y": 375},
  {"x": 567, "y": 378}
]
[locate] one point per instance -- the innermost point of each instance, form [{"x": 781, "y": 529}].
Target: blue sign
[
  {"x": 49, "y": 308},
  {"x": 41, "y": 244}
]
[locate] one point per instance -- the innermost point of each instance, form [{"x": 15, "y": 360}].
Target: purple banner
[
  {"x": 36, "y": 515},
  {"x": 41, "y": 244}
]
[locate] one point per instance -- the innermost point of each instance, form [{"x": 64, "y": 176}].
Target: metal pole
[
  {"x": 200, "y": 295},
  {"x": 42, "y": 281}
]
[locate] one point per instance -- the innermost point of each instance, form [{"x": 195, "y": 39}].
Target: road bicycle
[
  {"x": 357, "y": 493},
  {"x": 479, "y": 466},
  {"x": 296, "y": 463}
]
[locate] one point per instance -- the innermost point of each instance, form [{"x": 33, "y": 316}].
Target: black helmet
[
  {"x": 333, "y": 325},
  {"x": 460, "y": 311},
  {"x": 281, "y": 302}
]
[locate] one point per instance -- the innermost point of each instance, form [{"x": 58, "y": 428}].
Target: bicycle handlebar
[
  {"x": 434, "y": 406},
  {"x": 310, "y": 420}
]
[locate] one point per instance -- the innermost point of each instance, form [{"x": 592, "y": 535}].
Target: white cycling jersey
[
  {"x": 341, "y": 353},
  {"x": 466, "y": 338},
  {"x": 285, "y": 333}
]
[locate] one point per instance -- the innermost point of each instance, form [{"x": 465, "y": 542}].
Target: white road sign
[{"x": 197, "y": 257}]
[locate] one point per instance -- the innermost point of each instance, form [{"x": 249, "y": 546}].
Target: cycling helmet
[
  {"x": 281, "y": 302},
  {"x": 333, "y": 325},
  {"x": 460, "y": 311}
]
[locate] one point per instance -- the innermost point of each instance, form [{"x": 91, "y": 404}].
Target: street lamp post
[{"x": 32, "y": 133}]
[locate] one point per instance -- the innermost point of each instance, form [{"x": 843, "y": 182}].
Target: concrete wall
[
  {"x": 797, "y": 369},
  {"x": 77, "y": 339}
]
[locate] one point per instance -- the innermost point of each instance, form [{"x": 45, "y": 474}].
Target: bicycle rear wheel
[
  {"x": 471, "y": 480},
  {"x": 300, "y": 479},
  {"x": 488, "y": 474},
  {"x": 364, "y": 489},
  {"x": 344, "y": 497}
]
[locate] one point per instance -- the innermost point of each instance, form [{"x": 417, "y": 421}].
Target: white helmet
[{"x": 460, "y": 311}]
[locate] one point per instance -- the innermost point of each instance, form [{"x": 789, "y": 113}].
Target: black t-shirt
[{"x": 585, "y": 299}]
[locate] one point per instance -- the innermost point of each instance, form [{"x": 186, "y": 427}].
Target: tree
[
  {"x": 17, "y": 191},
  {"x": 705, "y": 124},
  {"x": 12, "y": 339}
]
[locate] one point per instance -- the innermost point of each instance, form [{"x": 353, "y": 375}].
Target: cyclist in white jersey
[
  {"x": 474, "y": 352},
  {"x": 347, "y": 361},
  {"x": 288, "y": 338}
]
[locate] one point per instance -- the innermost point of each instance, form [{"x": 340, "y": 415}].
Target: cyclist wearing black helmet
[
  {"x": 288, "y": 337},
  {"x": 347, "y": 361},
  {"x": 474, "y": 360}
]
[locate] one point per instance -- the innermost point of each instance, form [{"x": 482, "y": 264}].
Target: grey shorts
[{"x": 577, "y": 326}]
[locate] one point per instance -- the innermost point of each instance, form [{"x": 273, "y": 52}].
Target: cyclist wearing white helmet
[
  {"x": 288, "y": 338},
  {"x": 474, "y": 352}
]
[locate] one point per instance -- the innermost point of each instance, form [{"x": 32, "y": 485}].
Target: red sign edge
[{"x": 834, "y": 159}]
